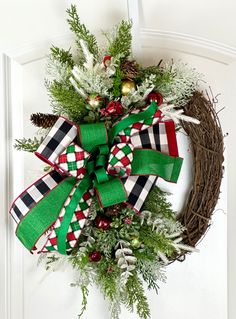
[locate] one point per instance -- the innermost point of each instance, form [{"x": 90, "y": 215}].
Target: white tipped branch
[
  {"x": 169, "y": 112},
  {"x": 78, "y": 90},
  {"x": 89, "y": 58}
]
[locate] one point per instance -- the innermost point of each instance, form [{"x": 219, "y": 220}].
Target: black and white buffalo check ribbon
[{"x": 161, "y": 137}]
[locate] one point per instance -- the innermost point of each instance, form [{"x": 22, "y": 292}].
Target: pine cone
[
  {"x": 113, "y": 210},
  {"x": 43, "y": 120},
  {"x": 130, "y": 69}
]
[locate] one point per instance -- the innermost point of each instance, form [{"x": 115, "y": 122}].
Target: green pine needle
[
  {"x": 66, "y": 101},
  {"x": 120, "y": 43},
  {"x": 80, "y": 30},
  {"x": 28, "y": 145},
  {"x": 157, "y": 203},
  {"x": 136, "y": 296},
  {"x": 61, "y": 55}
]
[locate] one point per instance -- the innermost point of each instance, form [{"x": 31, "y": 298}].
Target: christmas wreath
[{"x": 111, "y": 135}]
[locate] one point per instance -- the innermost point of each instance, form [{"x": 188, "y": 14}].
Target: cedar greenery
[
  {"x": 80, "y": 30},
  {"x": 28, "y": 144},
  {"x": 119, "y": 42},
  {"x": 66, "y": 101},
  {"x": 136, "y": 296},
  {"x": 156, "y": 202},
  {"x": 61, "y": 55}
]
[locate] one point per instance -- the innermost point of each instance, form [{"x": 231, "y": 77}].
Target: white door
[{"x": 196, "y": 288}]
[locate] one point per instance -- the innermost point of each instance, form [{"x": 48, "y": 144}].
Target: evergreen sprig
[
  {"x": 107, "y": 279},
  {"x": 61, "y": 55},
  {"x": 85, "y": 293},
  {"x": 80, "y": 30},
  {"x": 136, "y": 296},
  {"x": 156, "y": 202},
  {"x": 150, "y": 272},
  {"x": 119, "y": 43},
  {"x": 28, "y": 144},
  {"x": 162, "y": 79},
  {"x": 65, "y": 100},
  {"x": 117, "y": 82}
]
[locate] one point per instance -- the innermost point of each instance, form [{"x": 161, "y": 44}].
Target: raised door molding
[
  {"x": 11, "y": 266},
  {"x": 181, "y": 42}
]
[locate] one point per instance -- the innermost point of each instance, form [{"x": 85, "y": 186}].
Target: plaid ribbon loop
[
  {"x": 121, "y": 157},
  {"x": 63, "y": 205},
  {"x": 72, "y": 161}
]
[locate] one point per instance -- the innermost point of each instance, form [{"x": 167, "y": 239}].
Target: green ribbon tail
[
  {"x": 151, "y": 162},
  {"x": 44, "y": 214},
  {"x": 83, "y": 186}
]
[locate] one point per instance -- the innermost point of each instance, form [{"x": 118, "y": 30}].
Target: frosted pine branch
[
  {"x": 89, "y": 58},
  {"x": 169, "y": 112}
]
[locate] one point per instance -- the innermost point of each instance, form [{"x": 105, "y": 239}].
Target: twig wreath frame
[{"x": 207, "y": 141}]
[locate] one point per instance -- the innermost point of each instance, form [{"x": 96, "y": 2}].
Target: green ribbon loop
[
  {"x": 101, "y": 175},
  {"x": 151, "y": 162},
  {"x": 44, "y": 214},
  {"x": 92, "y": 135}
]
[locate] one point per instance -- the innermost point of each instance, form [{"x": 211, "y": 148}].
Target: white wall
[{"x": 26, "y": 21}]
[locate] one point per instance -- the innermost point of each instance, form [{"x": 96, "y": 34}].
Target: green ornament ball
[
  {"x": 135, "y": 243},
  {"x": 115, "y": 224}
]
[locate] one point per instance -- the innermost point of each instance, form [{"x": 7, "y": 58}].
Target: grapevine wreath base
[
  {"x": 207, "y": 147},
  {"x": 111, "y": 134}
]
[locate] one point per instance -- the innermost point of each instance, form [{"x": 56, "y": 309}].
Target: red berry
[
  {"x": 128, "y": 221},
  {"x": 95, "y": 256},
  {"x": 113, "y": 108},
  {"x": 102, "y": 222}
]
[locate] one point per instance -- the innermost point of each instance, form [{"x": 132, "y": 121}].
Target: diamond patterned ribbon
[
  {"x": 121, "y": 157},
  {"x": 83, "y": 169}
]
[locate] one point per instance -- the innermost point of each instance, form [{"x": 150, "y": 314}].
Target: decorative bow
[{"x": 87, "y": 160}]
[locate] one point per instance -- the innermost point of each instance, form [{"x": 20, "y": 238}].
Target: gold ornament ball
[{"x": 127, "y": 86}]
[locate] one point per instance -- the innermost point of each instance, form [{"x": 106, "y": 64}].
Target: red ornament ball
[
  {"x": 95, "y": 256},
  {"x": 102, "y": 222},
  {"x": 154, "y": 96},
  {"x": 113, "y": 108},
  {"x": 106, "y": 59}
]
